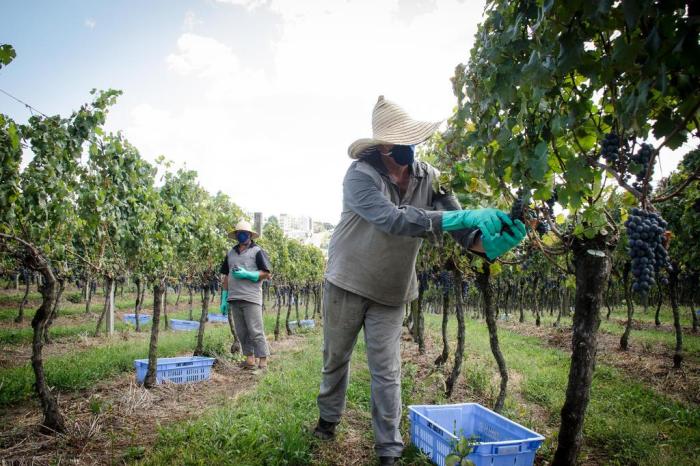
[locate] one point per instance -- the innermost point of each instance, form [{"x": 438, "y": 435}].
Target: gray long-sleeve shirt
[{"x": 374, "y": 248}]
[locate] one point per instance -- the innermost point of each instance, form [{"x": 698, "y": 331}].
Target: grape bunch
[
  {"x": 542, "y": 228},
  {"x": 645, "y": 231},
  {"x": 610, "y": 148},
  {"x": 642, "y": 158},
  {"x": 445, "y": 280},
  {"x": 517, "y": 210},
  {"x": 551, "y": 201}
]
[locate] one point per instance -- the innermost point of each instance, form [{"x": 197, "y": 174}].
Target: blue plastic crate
[
  {"x": 178, "y": 324},
  {"x": 308, "y": 323},
  {"x": 131, "y": 318},
  {"x": 293, "y": 324},
  {"x": 177, "y": 370},
  {"x": 499, "y": 441},
  {"x": 218, "y": 318}
]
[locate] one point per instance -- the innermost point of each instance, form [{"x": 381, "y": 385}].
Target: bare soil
[
  {"x": 651, "y": 364},
  {"x": 117, "y": 422}
]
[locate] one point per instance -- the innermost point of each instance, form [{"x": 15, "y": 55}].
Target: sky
[{"x": 260, "y": 97}]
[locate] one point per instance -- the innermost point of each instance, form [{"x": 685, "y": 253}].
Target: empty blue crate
[
  {"x": 308, "y": 323},
  {"x": 293, "y": 324},
  {"x": 178, "y": 324},
  {"x": 218, "y": 318},
  {"x": 176, "y": 370},
  {"x": 499, "y": 441},
  {"x": 131, "y": 318}
]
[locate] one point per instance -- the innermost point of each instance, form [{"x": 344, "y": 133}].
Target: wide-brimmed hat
[
  {"x": 244, "y": 225},
  {"x": 392, "y": 125}
]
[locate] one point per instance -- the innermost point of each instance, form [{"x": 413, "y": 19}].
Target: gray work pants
[
  {"x": 248, "y": 320},
  {"x": 344, "y": 314}
]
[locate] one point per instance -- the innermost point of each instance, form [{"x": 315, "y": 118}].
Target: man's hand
[
  {"x": 502, "y": 242},
  {"x": 489, "y": 221},
  {"x": 223, "y": 307},
  {"x": 243, "y": 274}
]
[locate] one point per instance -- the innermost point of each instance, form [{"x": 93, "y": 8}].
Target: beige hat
[
  {"x": 392, "y": 125},
  {"x": 244, "y": 225}
]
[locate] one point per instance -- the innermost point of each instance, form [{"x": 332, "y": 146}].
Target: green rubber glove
[
  {"x": 489, "y": 221},
  {"x": 241, "y": 274},
  {"x": 223, "y": 307},
  {"x": 502, "y": 242}
]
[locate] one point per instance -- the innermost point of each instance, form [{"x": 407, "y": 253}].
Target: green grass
[
  {"x": 630, "y": 422},
  {"x": 15, "y": 336},
  {"x": 82, "y": 369},
  {"x": 268, "y": 425},
  {"x": 614, "y": 326}
]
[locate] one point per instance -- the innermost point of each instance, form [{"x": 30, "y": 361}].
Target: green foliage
[
  {"x": 460, "y": 451},
  {"x": 547, "y": 80},
  {"x": 7, "y": 54},
  {"x": 682, "y": 212}
]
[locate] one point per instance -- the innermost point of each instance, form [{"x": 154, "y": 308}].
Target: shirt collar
[{"x": 237, "y": 249}]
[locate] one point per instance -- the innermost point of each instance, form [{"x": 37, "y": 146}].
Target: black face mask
[{"x": 403, "y": 155}]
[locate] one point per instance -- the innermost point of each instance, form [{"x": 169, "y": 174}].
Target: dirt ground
[
  {"x": 651, "y": 364},
  {"x": 117, "y": 422}
]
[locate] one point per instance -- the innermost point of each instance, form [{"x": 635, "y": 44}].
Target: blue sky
[{"x": 261, "y": 97}]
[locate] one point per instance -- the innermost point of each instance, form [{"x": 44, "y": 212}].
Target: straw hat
[
  {"x": 392, "y": 125},
  {"x": 244, "y": 225}
]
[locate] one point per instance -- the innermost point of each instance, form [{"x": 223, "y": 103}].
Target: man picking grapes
[
  {"x": 390, "y": 202},
  {"x": 244, "y": 268}
]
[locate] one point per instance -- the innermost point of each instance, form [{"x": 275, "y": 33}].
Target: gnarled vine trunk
[
  {"x": 459, "y": 351},
  {"x": 20, "y": 314},
  {"x": 442, "y": 359},
  {"x": 199, "y": 348},
  {"x": 289, "y": 312},
  {"x": 278, "y": 304},
  {"x": 54, "y": 309},
  {"x": 484, "y": 284},
  {"x": 150, "y": 380},
  {"x": 673, "y": 291},
  {"x": 592, "y": 264},
  {"x": 624, "y": 339}
]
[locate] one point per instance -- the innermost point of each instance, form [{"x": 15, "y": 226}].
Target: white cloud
[
  {"x": 191, "y": 21},
  {"x": 216, "y": 66},
  {"x": 89, "y": 23},
  {"x": 249, "y": 4},
  {"x": 288, "y": 129}
]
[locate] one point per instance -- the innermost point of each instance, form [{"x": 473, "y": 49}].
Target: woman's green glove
[
  {"x": 223, "y": 307},
  {"x": 252, "y": 275},
  {"x": 500, "y": 243},
  {"x": 489, "y": 221}
]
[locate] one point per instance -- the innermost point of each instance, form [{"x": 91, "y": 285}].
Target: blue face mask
[
  {"x": 242, "y": 236},
  {"x": 403, "y": 155}
]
